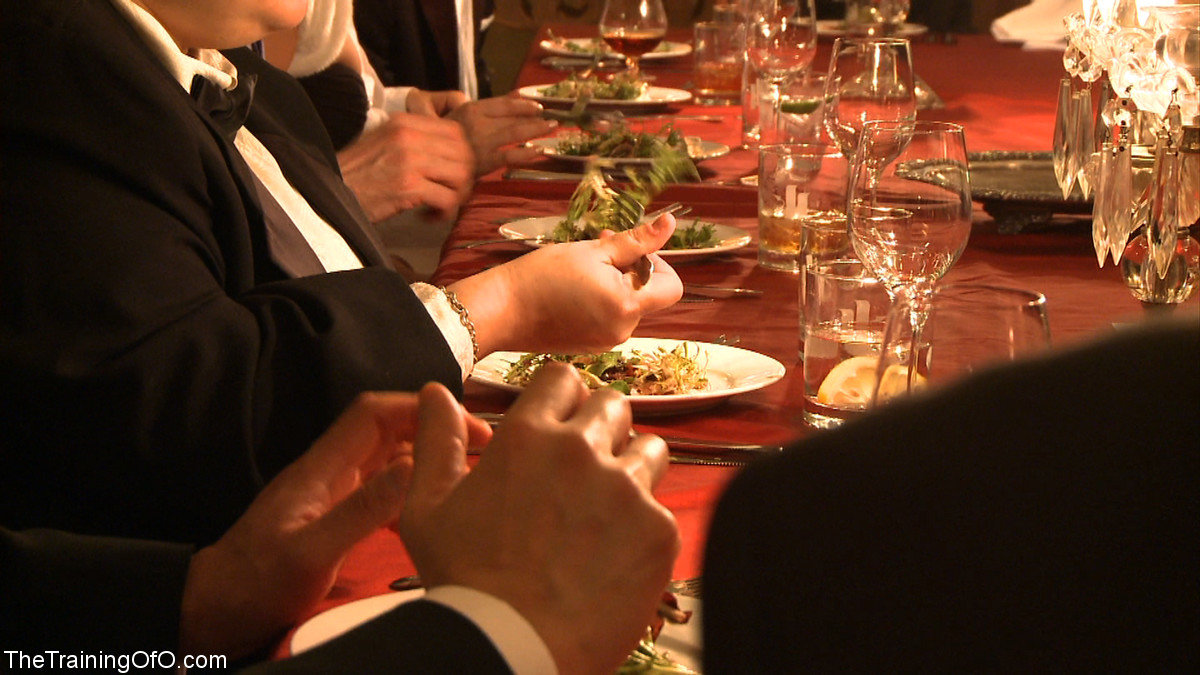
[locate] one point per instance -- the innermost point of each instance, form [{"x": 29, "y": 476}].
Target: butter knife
[{"x": 701, "y": 449}]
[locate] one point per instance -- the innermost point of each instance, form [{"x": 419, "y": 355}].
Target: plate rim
[
  {"x": 776, "y": 373},
  {"x": 377, "y": 605},
  {"x": 836, "y": 28},
  {"x": 742, "y": 239},
  {"x": 684, "y": 48}
]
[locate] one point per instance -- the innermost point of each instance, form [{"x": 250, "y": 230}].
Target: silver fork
[
  {"x": 631, "y": 212},
  {"x": 689, "y": 587}
]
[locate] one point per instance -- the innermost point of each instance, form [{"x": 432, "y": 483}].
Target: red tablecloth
[{"x": 1002, "y": 95}]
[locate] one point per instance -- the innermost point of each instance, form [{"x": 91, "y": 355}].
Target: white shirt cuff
[
  {"x": 449, "y": 323},
  {"x": 395, "y": 99},
  {"x": 513, "y": 637}
]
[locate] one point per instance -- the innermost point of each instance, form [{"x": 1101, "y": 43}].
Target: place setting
[{"x": 632, "y": 30}]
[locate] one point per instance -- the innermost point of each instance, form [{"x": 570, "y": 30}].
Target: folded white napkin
[{"x": 1039, "y": 25}]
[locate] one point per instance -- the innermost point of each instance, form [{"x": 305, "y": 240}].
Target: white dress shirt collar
[{"x": 208, "y": 63}]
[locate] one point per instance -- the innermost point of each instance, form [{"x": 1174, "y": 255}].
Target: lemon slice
[
  {"x": 895, "y": 381},
  {"x": 849, "y": 383},
  {"x": 852, "y": 382}
]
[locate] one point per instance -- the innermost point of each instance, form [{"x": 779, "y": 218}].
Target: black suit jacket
[
  {"x": 1042, "y": 517},
  {"x": 415, "y": 42},
  {"x": 79, "y": 594},
  {"x": 155, "y": 364}
]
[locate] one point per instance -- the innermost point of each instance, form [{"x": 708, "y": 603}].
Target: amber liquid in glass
[{"x": 634, "y": 43}]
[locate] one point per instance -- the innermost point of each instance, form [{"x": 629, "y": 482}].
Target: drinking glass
[
  {"x": 876, "y": 17},
  {"x": 868, "y": 79},
  {"x": 970, "y": 327},
  {"x": 801, "y": 194},
  {"x": 720, "y": 48},
  {"x": 801, "y": 116},
  {"x": 843, "y": 311},
  {"x": 633, "y": 28},
  {"x": 781, "y": 41},
  {"x": 909, "y": 207}
]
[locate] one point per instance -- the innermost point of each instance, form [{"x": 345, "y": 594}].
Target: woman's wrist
[{"x": 490, "y": 299}]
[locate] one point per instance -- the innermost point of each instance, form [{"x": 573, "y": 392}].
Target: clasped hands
[
  {"x": 430, "y": 155},
  {"x": 556, "y": 519}
]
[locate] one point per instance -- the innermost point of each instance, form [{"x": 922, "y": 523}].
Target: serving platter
[
  {"x": 728, "y": 237},
  {"x": 698, "y": 150},
  {"x": 653, "y": 97},
  {"x": 588, "y": 48},
  {"x": 1017, "y": 189},
  {"x": 730, "y": 371}
]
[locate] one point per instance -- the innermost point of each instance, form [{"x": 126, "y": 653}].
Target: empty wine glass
[
  {"x": 970, "y": 327},
  {"x": 781, "y": 41},
  {"x": 868, "y": 79},
  {"x": 909, "y": 207},
  {"x": 633, "y": 28}
]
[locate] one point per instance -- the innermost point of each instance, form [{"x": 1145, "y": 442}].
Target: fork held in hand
[{"x": 643, "y": 267}]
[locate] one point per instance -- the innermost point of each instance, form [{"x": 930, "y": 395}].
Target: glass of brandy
[{"x": 633, "y": 28}]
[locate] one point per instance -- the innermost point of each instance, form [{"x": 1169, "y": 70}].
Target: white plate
[
  {"x": 333, "y": 622},
  {"x": 651, "y": 98},
  {"x": 729, "y": 238},
  {"x": 682, "y": 642},
  {"x": 698, "y": 150},
  {"x": 838, "y": 28},
  {"x": 730, "y": 371},
  {"x": 587, "y": 49}
]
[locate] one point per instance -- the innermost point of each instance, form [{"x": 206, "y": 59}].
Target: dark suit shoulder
[{"x": 1040, "y": 515}]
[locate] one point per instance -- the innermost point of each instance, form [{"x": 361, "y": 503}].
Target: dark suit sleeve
[
  {"x": 1040, "y": 517},
  {"x": 416, "y": 637},
  {"x": 155, "y": 365},
  {"x": 88, "y": 594}
]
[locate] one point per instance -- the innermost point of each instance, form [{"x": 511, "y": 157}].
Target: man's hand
[
  {"x": 556, "y": 519},
  {"x": 434, "y": 103},
  {"x": 410, "y": 160},
  {"x": 281, "y": 557},
  {"x": 494, "y": 127}
]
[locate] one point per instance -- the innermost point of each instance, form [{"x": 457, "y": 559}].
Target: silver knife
[{"x": 702, "y": 449}]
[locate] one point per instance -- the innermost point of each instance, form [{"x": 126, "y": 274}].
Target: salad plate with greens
[
  {"x": 659, "y": 376},
  {"x": 623, "y": 145},
  {"x": 618, "y": 91},
  {"x": 590, "y": 47},
  {"x": 694, "y": 238},
  {"x": 598, "y": 204}
]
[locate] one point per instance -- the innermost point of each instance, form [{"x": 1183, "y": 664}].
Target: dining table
[{"x": 1004, "y": 97}]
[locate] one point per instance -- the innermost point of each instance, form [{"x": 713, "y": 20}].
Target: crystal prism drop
[
  {"x": 1121, "y": 204},
  {"x": 1101, "y": 205},
  {"x": 1189, "y": 187},
  {"x": 1064, "y": 133},
  {"x": 1161, "y": 228},
  {"x": 1084, "y": 144},
  {"x": 1124, "y": 13}
]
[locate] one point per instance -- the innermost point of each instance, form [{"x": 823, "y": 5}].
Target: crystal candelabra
[{"x": 1139, "y": 156}]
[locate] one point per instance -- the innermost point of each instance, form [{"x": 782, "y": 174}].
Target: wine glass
[
  {"x": 909, "y": 207},
  {"x": 971, "y": 327},
  {"x": 781, "y": 41},
  {"x": 633, "y": 28},
  {"x": 876, "y": 17},
  {"x": 868, "y": 79}
]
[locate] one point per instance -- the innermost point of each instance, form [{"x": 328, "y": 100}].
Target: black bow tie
[{"x": 226, "y": 108}]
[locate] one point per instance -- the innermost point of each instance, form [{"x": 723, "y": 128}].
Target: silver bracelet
[{"x": 464, "y": 316}]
